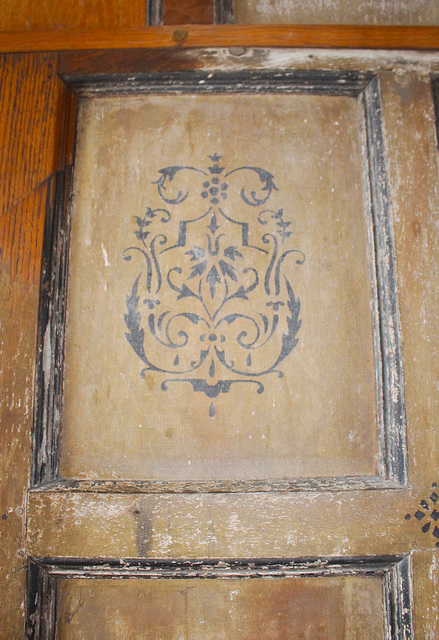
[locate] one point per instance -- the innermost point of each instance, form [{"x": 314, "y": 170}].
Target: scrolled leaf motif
[
  {"x": 213, "y": 310},
  {"x": 267, "y": 180},
  {"x": 167, "y": 176}
]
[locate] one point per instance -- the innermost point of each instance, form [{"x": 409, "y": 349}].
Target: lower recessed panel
[{"x": 329, "y": 608}]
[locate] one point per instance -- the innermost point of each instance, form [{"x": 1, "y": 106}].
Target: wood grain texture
[
  {"x": 413, "y": 171},
  {"x": 188, "y": 12},
  {"x": 120, "y": 61},
  {"x": 29, "y": 119},
  {"x": 306, "y": 36},
  {"x": 26, "y": 125},
  {"x": 47, "y": 14},
  {"x": 18, "y": 239},
  {"x": 307, "y": 524}
]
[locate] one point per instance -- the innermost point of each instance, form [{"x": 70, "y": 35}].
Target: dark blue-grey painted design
[
  {"x": 428, "y": 514},
  {"x": 242, "y": 320}
]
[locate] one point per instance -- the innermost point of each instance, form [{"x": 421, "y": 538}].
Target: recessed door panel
[
  {"x": 339, "y": 608},
  {"x": 220, "y": 313}
]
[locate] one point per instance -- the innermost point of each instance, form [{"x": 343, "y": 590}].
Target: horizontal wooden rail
[{"x": 301, "y": 36}]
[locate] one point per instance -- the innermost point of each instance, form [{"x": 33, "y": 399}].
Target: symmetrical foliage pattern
[{"x": 212, "y": 304}]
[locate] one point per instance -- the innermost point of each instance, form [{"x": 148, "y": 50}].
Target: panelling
[
  {"x": 364, "y": 522},
  {"x": 25, "y": 14},
  {"x": 391, "y": 12}
]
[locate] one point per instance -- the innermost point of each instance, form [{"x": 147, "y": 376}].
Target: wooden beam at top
[{"x": 188, "y": 36}]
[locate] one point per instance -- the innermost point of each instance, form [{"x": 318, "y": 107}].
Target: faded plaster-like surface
[
  {"x": 318, "y": 419},
  {"x": 310, "y": 608},
  {"x": 379, "y": 12}
]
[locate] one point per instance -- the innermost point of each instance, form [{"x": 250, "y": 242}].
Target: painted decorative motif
[
  {"x": 428, "y": 514},
  {"x": 212, "y": 305}
]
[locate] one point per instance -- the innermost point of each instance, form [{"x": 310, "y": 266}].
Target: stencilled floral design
[{"x": 212, "y": 305}]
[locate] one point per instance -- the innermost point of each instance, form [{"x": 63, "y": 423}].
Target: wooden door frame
[
  {"x": 199, "y": 36},
  {"x": 24, "y": 215}
]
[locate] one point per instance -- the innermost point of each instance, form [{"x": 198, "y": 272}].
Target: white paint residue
[
  {"x": 433, "y": 572},
  {"x": 107, "y": 264},
  {"x": 47, "y": 353}
]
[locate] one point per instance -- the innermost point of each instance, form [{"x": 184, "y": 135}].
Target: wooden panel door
[{"x": 234, "y": 428}]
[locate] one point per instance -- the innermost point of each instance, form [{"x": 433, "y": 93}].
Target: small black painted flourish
[
  {"x": 211, "y": 305},
  {"x": 428, "y": 514}
]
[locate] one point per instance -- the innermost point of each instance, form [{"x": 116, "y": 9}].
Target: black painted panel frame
[
  {"x": 363, "y": 86},
  {"x": 391, "y": 413},
  {"x": 43, "y": 575}
]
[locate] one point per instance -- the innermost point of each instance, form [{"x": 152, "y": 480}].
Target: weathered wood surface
[
  {"x": 29, "y": 119},
  {"x": 124, "y": 62},
  {"x": 19, "y": 309},
  {"x": 413, "y": 175},
  {"x": 426, "y": 595},
  {"x": 303, "y": 36},
  {"x": 109, "y": 525},
  {"x": 304, "y": 524}
]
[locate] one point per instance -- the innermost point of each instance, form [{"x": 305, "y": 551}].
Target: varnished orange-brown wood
[
  {"x": 305, "y": 36},
  {"x": 47, "y": 14},
  {"x": 18, "y": 239},
  {"x": 30, "y": 104},
  {"x": 187, "y": 11}
]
